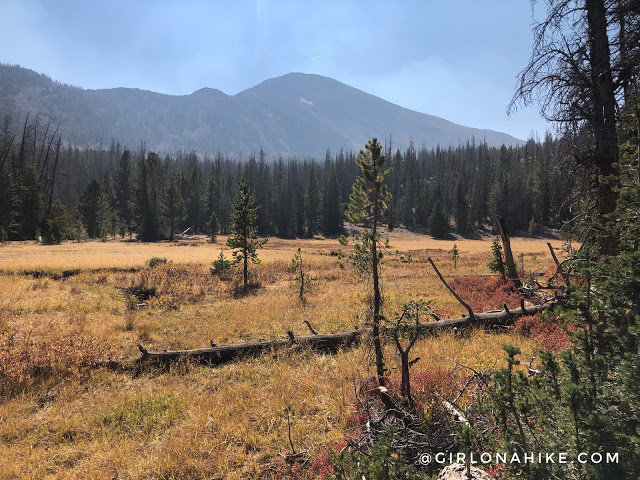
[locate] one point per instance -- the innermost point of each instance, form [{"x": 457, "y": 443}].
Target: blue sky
[{"x": 456, "y": 59}]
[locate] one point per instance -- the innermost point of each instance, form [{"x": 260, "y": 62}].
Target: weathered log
[
  {"x": 225, "y": 353},
  {"x": 455, "y": 413},
  {"x": 329, "y": 343}
]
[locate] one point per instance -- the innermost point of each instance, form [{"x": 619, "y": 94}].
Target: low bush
[{"x": 25, "y": 364}]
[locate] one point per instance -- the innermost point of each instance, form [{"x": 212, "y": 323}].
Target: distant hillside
[{"x": 294, "y": 114}]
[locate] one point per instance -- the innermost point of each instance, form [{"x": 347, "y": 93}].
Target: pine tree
[
  {"x": 461, "y": 208},
  {"x": 124, "y": 193},
  {"x": 312, "y": 204},
  {"x": 58, "y": 224},
  {"x": 174, "y": 206},
  {"x": 148, "y": 193},
  {"x": 245, "y": 233},
  {"x": 455, "y": 255},
  {"x": 110, "y": 198},
  {"x": 497, "y": 261},
  {"x": 212, "y": 227},
  {"x": 438, "y": 220},
  {"x": 195, "y": 203},
  {"x": 88, "y": 208},
  {"x": 332, "y": 213},
  {"x": 369, "y": 203},
  {"x": 32, "y": 211}
]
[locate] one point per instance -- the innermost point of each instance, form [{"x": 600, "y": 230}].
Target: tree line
[{"x": 56, "y": 191}]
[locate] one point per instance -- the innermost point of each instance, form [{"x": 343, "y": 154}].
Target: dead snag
[
  {"x": 405, "y": 389},
  {"x": 555, "y": 259},
  {"x": 508, "y": 255}
]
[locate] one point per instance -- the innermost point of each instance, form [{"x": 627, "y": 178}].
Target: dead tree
[
  {"x": 411, "y": 311},
  {"x": 328, "y": 343},
  {"x": 508, "y": 255}
]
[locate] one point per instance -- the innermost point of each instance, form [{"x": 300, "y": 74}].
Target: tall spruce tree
[
  {"x": 88, "y": 208},
  {"x": 312, "y": 204},
  {"x": 124, "y": 192},
  {"x": 244, "y": 234},
  {"x": 174, "y": 206},
  {"x": 332, "y": 213}
]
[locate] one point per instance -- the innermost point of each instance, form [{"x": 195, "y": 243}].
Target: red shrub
[
  {"x": 485, "y": 293},
  {"x": 321, "y": 465},
  {"x": 544, "y": 329}
]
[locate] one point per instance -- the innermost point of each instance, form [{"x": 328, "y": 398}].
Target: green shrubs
[{"x": 153, "y": 262}]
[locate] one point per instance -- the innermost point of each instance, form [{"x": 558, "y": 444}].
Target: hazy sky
[{"x": 457, "y": 59}]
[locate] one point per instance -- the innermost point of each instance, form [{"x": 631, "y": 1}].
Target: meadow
[{"x": 65, "y": 307}]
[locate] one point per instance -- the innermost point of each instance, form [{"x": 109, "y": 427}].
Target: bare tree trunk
[
  {"x": 377, "y": 300},
  {"x": 52, "y": 181},
  {"x": 604, "y": 123},
  {"x": 245, "y": 270},
  {"x": 331, "y": 343},
  {"x": 508, "y": 255}
]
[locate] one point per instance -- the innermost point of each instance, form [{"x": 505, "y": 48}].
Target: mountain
[{"x": 297, "y": 113}]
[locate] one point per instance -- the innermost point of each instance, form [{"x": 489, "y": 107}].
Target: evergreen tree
[
  {"x": 212, "y": 227},
  {"x": 461, "y": 208},
  {"x": 111, "y": 221},
  {"x": 88, "y": 208},
  {"x": 369, "y": 203},
  {"x": 438, "y": 220},
  {"x": 10, "y": 204},
  {"x": 245, "y": 233},
  {"x": 147, "y": 193},
  {"x": 124, "y": 193},
  {"x": 59, "y": 224},
  {"x": 32, "y": 211},
  {"x": 312, "y": 204},
  {"x": 174, "y": 206},
  {"x": 332, "y": 213},
  {"x": 195, "y": 204}
]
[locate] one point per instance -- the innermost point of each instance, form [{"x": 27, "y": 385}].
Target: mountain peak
[
  {"x": 295, "y": 114},
  {"x": 213, "y": 92}
]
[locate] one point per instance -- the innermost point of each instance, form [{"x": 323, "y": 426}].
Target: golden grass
[{"x": 198, "y": 422}]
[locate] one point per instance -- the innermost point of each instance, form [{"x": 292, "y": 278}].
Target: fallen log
[{"x": 329, "y": 343}]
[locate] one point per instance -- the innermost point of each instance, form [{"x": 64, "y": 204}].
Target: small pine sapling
[
  {"x": 221, "y": 266},
  {"x": 304, "y": 278},
  {"x": 496, "y": 264},
  {"x": 244, "y": 236},
  {"x": 521, "y": 262},
  {"x": 455, "y": 255}
]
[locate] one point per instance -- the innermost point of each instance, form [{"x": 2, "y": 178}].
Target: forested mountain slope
[{"x": 296, "y": 114}]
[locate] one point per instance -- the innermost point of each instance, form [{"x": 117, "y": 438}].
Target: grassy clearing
[{"x": 60, "y": 420}]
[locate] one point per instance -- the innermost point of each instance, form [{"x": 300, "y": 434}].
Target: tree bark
[
  {"x": 603, "y": 123},
  {"x": 377, "y": 300},
  {"x": 508, "y": 254}
]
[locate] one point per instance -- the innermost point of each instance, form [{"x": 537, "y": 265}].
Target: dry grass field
[{"x": 62, "y": 307}]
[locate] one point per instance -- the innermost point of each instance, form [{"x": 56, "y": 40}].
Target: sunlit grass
[{"x": 193, "y": 421}]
